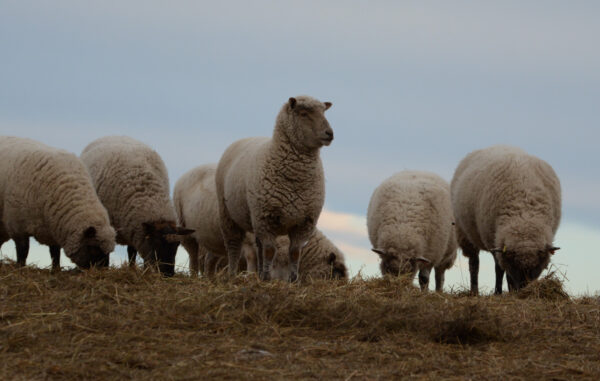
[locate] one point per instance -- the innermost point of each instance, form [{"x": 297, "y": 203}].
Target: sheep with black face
[
  {"x": 508, "y": 203},
  {"x": 409, "y": 220},
  {"x": 132, "y": 182},
  {"x": 47, "y": 193}
]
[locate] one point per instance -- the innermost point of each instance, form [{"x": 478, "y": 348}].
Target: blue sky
[{"x": 414, "y": 85}]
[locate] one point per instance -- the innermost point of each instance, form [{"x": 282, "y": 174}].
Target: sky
[{"x": 414, "y": 85}]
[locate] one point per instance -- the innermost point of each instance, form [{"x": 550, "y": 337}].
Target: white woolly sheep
[
  {"x": 275, "y": 186},
  {"x": 47, "y": 193},
  {"x": 319, "y": 259},
  {"x": 410, "y": 226},
  {"x": 508, "y": 203},
  {"x": 195, "y": 199},
  {"x": 196, "y": 205},
  {"x": 132, "y": 183}
]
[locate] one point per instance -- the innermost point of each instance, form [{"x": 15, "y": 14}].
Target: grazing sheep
[
  {"x": 195, "y": 198},
  {"x": 275, "y": 186},
  {"x": 132, "y": 182},
  {"x": 508, "y": 203},
  {"x": 47, "y": 193},
  {"x": 319, "y": 259},
  {"x": 410, "y": 226}
]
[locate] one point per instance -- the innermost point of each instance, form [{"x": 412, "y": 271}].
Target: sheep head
[
  {"x": 337, "y": 268},
  {"x": 161, "y": 240},
  {"x": 92, "y": 250},
  {"x": 524, "y": 263},
  {"x": 395, "y": 264},
  {"x": 304, "y": 123}
]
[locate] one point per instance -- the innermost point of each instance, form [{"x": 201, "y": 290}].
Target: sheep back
[
  {"x": 47, "y": 193},
  {"x": 132, "y": 182},
  {"x": 410, "y": 215}
]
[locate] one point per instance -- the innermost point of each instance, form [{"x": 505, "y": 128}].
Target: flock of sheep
[{"x": 257, "y": 209}]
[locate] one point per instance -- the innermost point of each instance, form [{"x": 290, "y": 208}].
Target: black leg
[
  {"x": 55, "y": 255},
  {"x": 474, "y": 270},
  {"x": 131, "y": 253},
  {"x": 22, "y": 245},
  {"x": 499, "y": 277},
  {"x": 509, "y": 281}
]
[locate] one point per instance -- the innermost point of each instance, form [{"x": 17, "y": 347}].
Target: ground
[{"x": 129, "y": 324}]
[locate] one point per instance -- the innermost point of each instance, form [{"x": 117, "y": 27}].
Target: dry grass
[{"x": 124, "y": 324}]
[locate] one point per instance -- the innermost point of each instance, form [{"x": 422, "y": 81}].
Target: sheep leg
[
  {"x": 55, "y": 255},
  {"x": 259, "y": 257},
  {"x": 250, "y": 256},
  {"x": 439, "y": 279},
  {"x": 424, "y": 278},
  {"x": 233, "y": 236},
  {"x": 191, "y": 246},
  {"x": 210, "y": 264},
  {"x": 269, "y": 250},
  {"x": 299, "y": 236},
  {"x": 471, "y": 252},
  {"x": 509, "y": 281},
  {"x": 131, "y": 254},
  {"x": 499, "y": 277},
  {"x": 474, "y": 271},
  {"x": 22, "y": 246},
  {"x": 294, "y": 253}
]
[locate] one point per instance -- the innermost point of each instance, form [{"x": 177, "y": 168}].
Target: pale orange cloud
[{"x": 343, "y": 223}]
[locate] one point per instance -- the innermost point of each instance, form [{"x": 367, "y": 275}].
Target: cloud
[{"x": 343, "y": 223}]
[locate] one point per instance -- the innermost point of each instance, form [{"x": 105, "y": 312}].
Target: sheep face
[
  {"x": 308, "y": 126},
  {"x": 524, "y": 264},
  {"x": 92, "y": 252},
  {"x": 337, "y": 269},
  {"x": 395, "y": 264},
  {"x": 161, "y": 241}
]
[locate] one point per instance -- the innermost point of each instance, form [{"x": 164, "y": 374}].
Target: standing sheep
[
  {"x": 132, "y": 182},
  {"x": 195, "y": 198},
  {"x": 508, "y": 203},
  {"x": 275, "y": 186},
  {"x": 196, "y": 205},
  {"x": 410, "y": 226},
  {"x": 47, "y": 193}
]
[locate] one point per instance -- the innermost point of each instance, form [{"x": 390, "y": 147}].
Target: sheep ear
[
  {"x": 327, "y": 105},
  {"x": 381, "y": 253},
  {"x": 423, "y": 259},
  {"x": 497, "y": 250},
  {"x": 184, "y": 231},
  {"x": 331, "y": 258},
  {"x": 552, "y": 249},
  {"x": 292, "y": 101},
  {"x": 89, "y": 232}
]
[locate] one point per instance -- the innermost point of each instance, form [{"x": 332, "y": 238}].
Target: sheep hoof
[
  {"x": 265, "y": 276},
  {"x": 293, "y": 277}
]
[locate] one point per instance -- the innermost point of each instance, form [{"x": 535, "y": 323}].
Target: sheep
[
  {"x": 275, "y": 186},
  {"x": 47, "y": 193},
  {"x": 409, "y": 220},
  {"x": 132, "y": 182},
  {"x": 195, "y": 199},
  {"x": 506, "y": 202},
  {"x": 319, "y": 259}
]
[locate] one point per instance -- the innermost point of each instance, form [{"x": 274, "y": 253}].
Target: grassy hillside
[{"x": 126, "y": 324}]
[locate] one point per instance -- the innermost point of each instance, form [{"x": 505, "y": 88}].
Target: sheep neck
[{"x": 296, "y": 160}]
